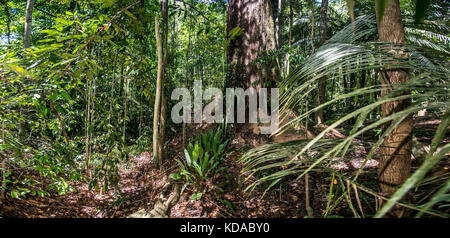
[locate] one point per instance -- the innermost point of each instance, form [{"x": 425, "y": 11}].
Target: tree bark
[
  {"x": 255, "y": 19},
  {"x": 28, "y": 22},
  {"x": 88, "y": 125},
  {"x": 291, "y": 19},
  {"x": 159, "y": 117},
  {"x": 395, "y": 160},
  {"x": 3, "y": 164},
  {"x": 8, "y": 21},
  {"x": 125, "y": 112},
  {"x": 321, "y": 94},
  {"x": 157, "y": 107},
  {"x": 313, "y": 48},
  {"x": 278, "y": 22},
  {"x": 165, "y": 33}
]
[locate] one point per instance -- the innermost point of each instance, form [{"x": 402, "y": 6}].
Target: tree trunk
[
  {"x": 162, "y": 131},
  {"x": 313, "y": 48},
  {"x": 351, "y": 13},
  {"x": 140, "y": 110},
  {"x": 157, "y": 107},
  {"x": 278, "y": 20},
  {"x": 395, "y": 160},
  {"x": 125, "y": 112},
  {"x": 162, "y": 125},
  {"x": 291, "y": 19},
  {"x": 160, "y": 104},
  {"x": 28, "y": 21},
  {"x": 88, "y": 124},
  {"x": 255, "y": 19},
  {"x": 111, "y": 97},
  {"x": 8, "y": 21},
  {"x": 3, "y": 164},
  {"x": 321, "y": 94}
]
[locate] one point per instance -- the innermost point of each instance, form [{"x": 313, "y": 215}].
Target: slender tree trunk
[
  {"x": 111, "y": 97},
  {"x": 3, "y": 164},
  {"x": 351, "y": 13},
  {"x": 26, "y": 45},
  {"x": 8, "y": 21},
  {"x": 395, "y": 160},
  {"x": 278, "y": 24},
  {"x": 187, "y": 73},
  {"x": 291, "y": 19},
  {"x": 321, "y": 94},
  {"x": 165, "y": 38},
  {"x": 345, "y": 84},
  {"x": 159, "y": 117},
  {"x": 140, "y": 110},
  {"x": 28, "y": 22},
  {"x": 307, "y": 195},
  {"x": 122, "y": 78},
  {"x": 278, "y": 20},
  {"x": 125, "y": 113},
  {"x": 157, "y": 107},
  {"x": 162, "y": 125},
  {"x": 87, "y": 129},
  {"x": 313, "y": 48}
]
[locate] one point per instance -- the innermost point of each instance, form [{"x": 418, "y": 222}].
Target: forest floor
[{"x": 141, "y": 184}]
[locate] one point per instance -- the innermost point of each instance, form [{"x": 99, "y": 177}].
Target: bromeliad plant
[{"x": 204, "y": 159}]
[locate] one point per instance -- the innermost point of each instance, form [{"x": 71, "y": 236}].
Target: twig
[
  {"x": 220, "y": 208},
  {"x": 375, "y": 194},
  {"x": 358, "y": 200},
  {"x": 307, "y": 204},
  {"x": 349, "y": 200},
  {"x": 199, "y": 12}
]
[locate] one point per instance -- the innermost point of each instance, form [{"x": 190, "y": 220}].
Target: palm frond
[{"x": 351, "y": 51}]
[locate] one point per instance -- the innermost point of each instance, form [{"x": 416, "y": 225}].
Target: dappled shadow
[{"x": 139, "y": 184}]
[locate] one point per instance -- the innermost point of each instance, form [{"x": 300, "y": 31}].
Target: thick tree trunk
[
  {"x": 255, "y": 19},
  {"x": 28, "y": 21},
  {"x": 395, "y": 160},
  {"x": 321, "y": 97}
]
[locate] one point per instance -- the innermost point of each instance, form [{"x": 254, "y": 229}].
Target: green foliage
[
  {"x": 421, "y": 10},
  {"x": 74, "y": 62},
  {"x": 204, "y": 159}
]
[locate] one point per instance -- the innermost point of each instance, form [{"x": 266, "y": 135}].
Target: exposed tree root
[{"x": 162, "y": 206}]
